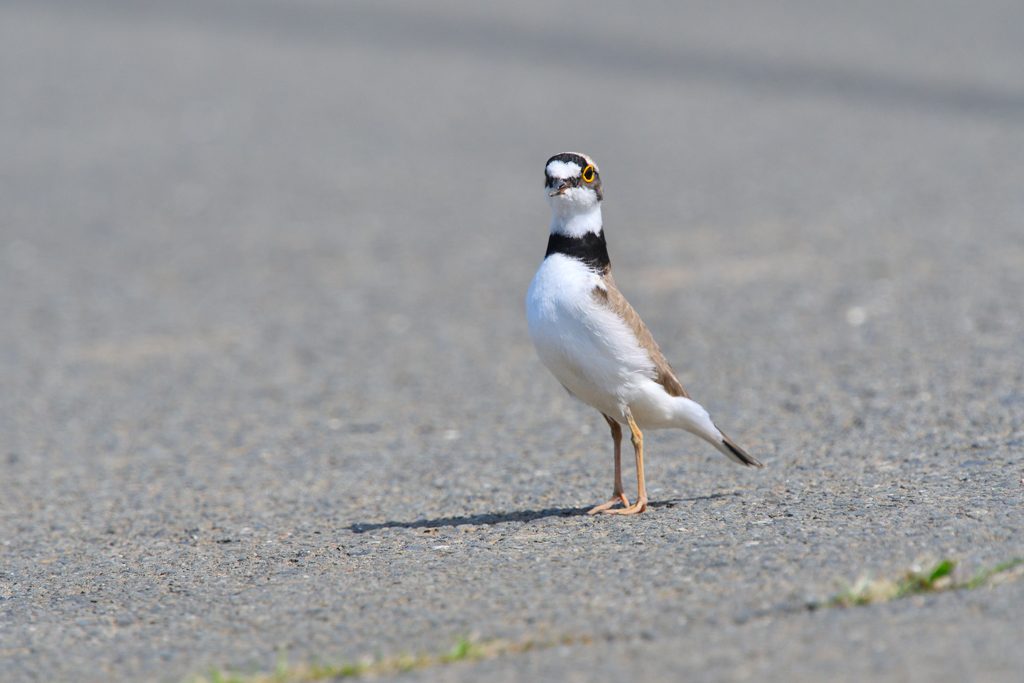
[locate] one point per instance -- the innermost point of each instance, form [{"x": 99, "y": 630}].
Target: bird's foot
[
  {"x": 640, "y": 506},
  {"x": 616, "y": 498}
]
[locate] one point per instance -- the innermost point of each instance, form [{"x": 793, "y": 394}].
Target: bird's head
[{"x": 572, "y": 184}]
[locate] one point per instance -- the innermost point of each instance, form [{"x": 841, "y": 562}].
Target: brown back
[{"x": 611, "y": 297}]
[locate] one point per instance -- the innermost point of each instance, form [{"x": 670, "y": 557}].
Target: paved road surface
[{"x": 266, "y": 385}]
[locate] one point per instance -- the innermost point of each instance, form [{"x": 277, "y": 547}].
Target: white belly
[{"x": 588, "y": 348}]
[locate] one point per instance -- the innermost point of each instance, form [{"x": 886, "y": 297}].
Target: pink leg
[
  {"x": 617, "y": 494},
  {"x": 638, "y": 446}
]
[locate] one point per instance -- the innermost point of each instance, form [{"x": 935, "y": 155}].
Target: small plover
[{"x": 592, "y": 340}]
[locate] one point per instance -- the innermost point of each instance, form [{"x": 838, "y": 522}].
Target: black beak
[{"x": 562, "y": 187}]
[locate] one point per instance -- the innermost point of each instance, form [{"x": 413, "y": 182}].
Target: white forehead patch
[{"x": 563, "y": 169}]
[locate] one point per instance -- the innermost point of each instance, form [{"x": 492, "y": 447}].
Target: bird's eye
[{"x": 588, "y": 174}]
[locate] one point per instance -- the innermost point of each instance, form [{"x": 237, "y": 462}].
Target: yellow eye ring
[{"x": 588, "y": 174}]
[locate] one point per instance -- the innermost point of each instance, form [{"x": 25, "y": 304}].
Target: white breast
[{"x": 588, "y": 348}]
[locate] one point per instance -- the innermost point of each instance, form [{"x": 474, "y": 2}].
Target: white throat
[{"x": 573, "y": 222}]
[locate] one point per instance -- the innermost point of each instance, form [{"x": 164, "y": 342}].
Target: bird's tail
[
  {"x": 734, "y": 452},
  {"x": 692, "y": 417}
]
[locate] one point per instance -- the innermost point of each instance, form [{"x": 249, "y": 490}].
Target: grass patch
[
  {"x": 934, "y": 577},
  {"x": 464, "y": 649}
]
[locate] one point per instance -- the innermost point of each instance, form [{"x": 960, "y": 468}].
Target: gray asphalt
[{"x": 265, "y": 381}]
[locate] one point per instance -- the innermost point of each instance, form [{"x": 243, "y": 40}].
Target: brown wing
[{"x": 610, "y": 296}]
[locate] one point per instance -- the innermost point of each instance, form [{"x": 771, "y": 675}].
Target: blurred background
[
  {"x": 267, "y": 260},
  {"x": 276, "y": 188}
]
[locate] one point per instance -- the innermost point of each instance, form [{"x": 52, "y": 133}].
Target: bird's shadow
[{"x": 492, "y": 518}]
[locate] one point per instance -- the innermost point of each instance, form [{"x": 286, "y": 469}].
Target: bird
[{"x": 592, "y": 340}]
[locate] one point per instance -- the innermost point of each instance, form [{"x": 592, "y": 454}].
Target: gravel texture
[{"x": 266, "y": 385}]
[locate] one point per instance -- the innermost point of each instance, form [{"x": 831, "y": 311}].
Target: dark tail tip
[{"x": 739, "y": 454}]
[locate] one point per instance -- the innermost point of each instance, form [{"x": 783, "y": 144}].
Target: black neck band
[{"x": 591, "y": 249}]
